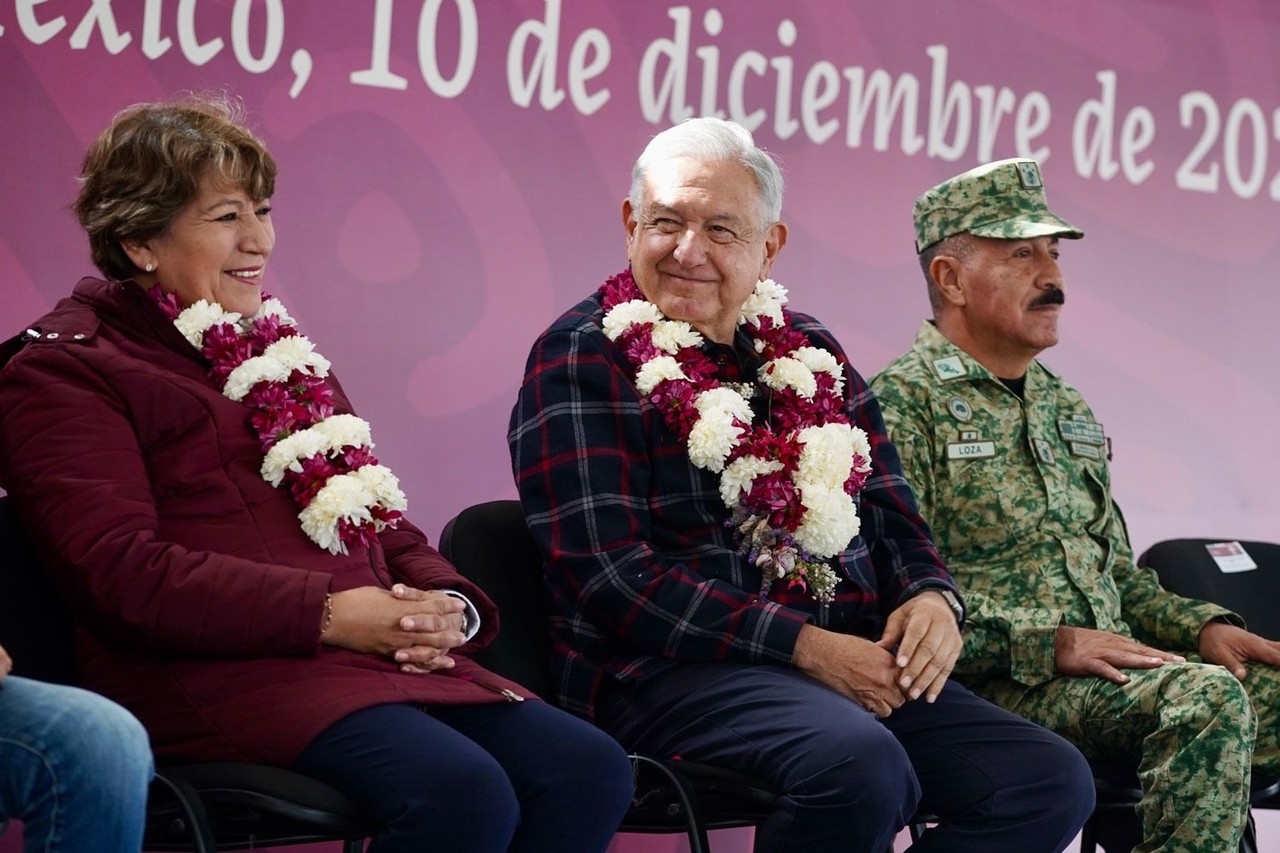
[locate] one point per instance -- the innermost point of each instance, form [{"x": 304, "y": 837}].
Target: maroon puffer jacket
[{"x": 199, "y": 595}]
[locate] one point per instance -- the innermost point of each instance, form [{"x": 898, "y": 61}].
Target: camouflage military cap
[{"x": 1004, "y": 199}]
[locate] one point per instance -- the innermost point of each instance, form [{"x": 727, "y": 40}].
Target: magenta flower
[
  {"x": 265, "y": 331},
  {"x": 168, "y": 302},
  {"x": 357, "y": 457},
  {"x": 316, "y": 470}
]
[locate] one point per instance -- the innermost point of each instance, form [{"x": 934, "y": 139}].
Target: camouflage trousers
[{"x": 1193, "y": 731}]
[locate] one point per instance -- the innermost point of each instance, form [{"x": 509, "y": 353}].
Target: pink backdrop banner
[{"x": 452, "y": 172}]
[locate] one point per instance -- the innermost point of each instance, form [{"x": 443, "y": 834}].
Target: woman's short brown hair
[{"x": 149, "y": 163}]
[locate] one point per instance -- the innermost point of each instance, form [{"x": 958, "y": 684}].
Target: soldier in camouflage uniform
[{"x": 1010, "y": 468}]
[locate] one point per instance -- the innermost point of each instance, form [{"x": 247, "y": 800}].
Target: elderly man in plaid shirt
[{"x": 737, "y": 569}]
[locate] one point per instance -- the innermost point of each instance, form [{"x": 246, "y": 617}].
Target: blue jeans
[
  {"x": 522, "y": 777},
  {"x": 849, "y": 781},
  {"x": 74, "y": 768}
]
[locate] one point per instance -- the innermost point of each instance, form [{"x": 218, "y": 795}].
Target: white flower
[
  {"x": 830, "y": 522},
  {"x": 274, "y": 308},
  {"x": 200, "y": 316},
  {"x": 714, "y": 434},
  {"x": 657, "y": 370},
  {"x": 861, "y": 448},
  {"x": 326, "y": 437},
  {"x": 830, "y": 518},
  {"x": 821, "y": 361},
  {"x": 740, "y": 473},
  {"x": 710, "y": 441},
  {"x": 623, "y": 316},
  {"x": 275, "y": 364},
  {"x": 349, "y": 496},
  {"x": 786, "y": 372},
  {"x": 765, "y": 301},
  {"x": 343, "y": 496},
  {"x": 671, "y": 336},
  {"x": 826, "y": 458},
  {"x": 385, "y": 488}
]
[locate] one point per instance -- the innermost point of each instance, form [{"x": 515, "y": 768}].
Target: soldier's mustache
[{"x": 1051, "y": 296}]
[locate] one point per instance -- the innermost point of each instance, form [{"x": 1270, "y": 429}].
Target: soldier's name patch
[
  {"x": 1079, "y": 448},
  {"x": 1077, "y": 430},
  {"x": 971, "y": 449},
  {"x": 960, "y": 410},
  {"x": 950, "y": 367}
]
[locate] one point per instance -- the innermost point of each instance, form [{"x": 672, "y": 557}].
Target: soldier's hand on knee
[
  {"x": 1232, "y": 646},
  {"x": 1087, "y": 651}
]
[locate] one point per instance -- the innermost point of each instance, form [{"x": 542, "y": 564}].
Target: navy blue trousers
[
  {"x": 849, "y": 781},
  {"x": 511, "y": 776}
]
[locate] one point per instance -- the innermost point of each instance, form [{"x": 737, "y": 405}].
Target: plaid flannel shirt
[{"x": 641, "y": 569}]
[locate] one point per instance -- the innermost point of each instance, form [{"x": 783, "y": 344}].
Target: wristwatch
[{"x": 953, "y": 601}]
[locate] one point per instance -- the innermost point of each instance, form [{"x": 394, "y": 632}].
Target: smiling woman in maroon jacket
[{"x": 209, "y": 503}]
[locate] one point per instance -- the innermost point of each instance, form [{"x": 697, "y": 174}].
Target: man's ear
[
  {"x": 947, "y": 272},
  {"x": 774, "y": 240},
  {"x": 629, "y": 221}
]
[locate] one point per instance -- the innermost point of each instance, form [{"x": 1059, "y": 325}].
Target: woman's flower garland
[
  {"x": 325, "y": 460},
  {"x": 789, "y": 480}
]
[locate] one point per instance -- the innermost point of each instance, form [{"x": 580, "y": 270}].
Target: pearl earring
[{"x": 150, "y": 267}]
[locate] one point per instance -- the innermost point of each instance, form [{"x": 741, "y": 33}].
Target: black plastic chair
[
  {"x": 1115, "y": 812},
  {"x": 490, "y": 544},
  {"x": 1186, "y": 567},
  {"x": 202, "y": 807}
]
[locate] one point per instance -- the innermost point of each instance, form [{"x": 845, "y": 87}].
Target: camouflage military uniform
[{"x": 1019, "y": 497}]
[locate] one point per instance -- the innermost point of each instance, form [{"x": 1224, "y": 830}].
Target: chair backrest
[
  {"x": 35, "y": 624},
  {"x": 490, "y": 545},
  {"x": 1187, "y": 567}
]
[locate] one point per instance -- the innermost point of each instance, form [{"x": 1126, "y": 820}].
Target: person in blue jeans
[{"x": 75, "y": 767}]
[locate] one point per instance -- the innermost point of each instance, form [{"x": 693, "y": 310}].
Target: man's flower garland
[
  {"x": 789, "y": 480},
  {"x": 326, "y": 460}
]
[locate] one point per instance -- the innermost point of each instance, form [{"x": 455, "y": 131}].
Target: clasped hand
[
  {"x": 913, "y": 658},
  {"x": 417, "y": 628}
]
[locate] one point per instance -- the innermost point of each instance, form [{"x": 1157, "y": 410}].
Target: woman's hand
[
  {"x": 430, "y": 654},
  {"x": 415, "y": 627}
]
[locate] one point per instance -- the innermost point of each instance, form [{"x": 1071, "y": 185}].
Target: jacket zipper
[{"x": 508, "y": 694}]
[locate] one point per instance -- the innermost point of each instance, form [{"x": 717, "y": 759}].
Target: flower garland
[
  {"x": 324, "y": 459},
  {"x": 790, "y": 480}
]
